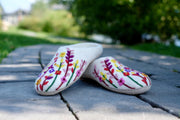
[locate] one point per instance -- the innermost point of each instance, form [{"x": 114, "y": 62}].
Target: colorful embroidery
[
  {"x": 73, "y": 71},
  {"x": 66, "y": 59},
  {"x": 104, "y": 77},
  {"x": 111, "y": 73},
  {"x": 58, "y": 72},
  {"x": 99, "y": 77},
  {"x": 69, "y": 59}
]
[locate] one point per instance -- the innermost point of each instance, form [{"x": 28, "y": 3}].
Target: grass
[
  {"x": 17, "y": 38},
  {"x": 15, "y": 30},
  {"x": 158, "y": 48},
  {"x": 10, "y": 41}
]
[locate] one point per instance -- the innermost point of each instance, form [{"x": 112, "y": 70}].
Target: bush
[
  {"x": 47, "y": 26},
  {"x": 57, "y": 22},
  {"x": 127, "y": 20},
  {"x": 0, "y": 25},
  {"x": 167, "y": 18},
  {"x": 116, "y": 18},
  {"x": 31, "y": 23}
]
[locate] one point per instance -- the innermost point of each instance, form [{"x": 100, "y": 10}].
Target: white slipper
[
  {"x": 67, "y": 66},
  {"x": 116, "y": 77}
]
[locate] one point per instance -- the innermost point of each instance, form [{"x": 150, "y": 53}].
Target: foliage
[
  {"x": 58, "y": 22},
  {"x": 0, "y": 24},
  {"x": 116, "y": 18},
  {"x": 167, "y": 18},
  {"x": 67, "y": 3},
  {"x": 62, "y": 23},
  {"x": 39, "y": 8},
  {"x": 32, "y": 23},
  {"x": 126, "y": 20},
  {"x": 0, "y": 20},
  {"x": 54, "y": 1}
]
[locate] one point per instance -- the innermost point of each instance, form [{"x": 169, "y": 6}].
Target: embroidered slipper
[
  {"x": 67, "y": 66},
  {"x": 114, "y": 76}
]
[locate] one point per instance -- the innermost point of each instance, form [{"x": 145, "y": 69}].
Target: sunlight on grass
[
  {"x": 158, "y": 48},
  {"x": 10, "y": 41},
  {"x": 15, "y": 30}
]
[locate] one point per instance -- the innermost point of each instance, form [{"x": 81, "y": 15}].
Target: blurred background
[{"x": 152, "y": 25}]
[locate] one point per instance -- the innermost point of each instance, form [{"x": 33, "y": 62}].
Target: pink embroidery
[
  {"x": 71, "y": 68},
  {"x": 69, "y": 59},
  {"x": 99, "y": 77},
  {"x": 111, "y": 71},
  {"x": 121, "y": 81}
]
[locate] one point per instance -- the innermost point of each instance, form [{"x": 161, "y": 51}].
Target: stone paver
[
  {"x": 86, "y": 99},
  {"x": 28, "y": 54},
  {"x": 13, "y": 77},
  {"x": 19, "y": 101},
  {"x": 19, "y": 72},
  {"x": 90, "y": 101},
  {"x": 151, "y": 58},
  {"x": 165, "y": 95},
  {"x": 46, "y": 54},
  {"x": 165, "y": 91},
  {"x": 20, "y": 67}
]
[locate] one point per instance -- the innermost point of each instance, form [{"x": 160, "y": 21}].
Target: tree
[
  {"x": 127, "y": 20},
  {"x": 67, "y": 3},
  {"x": 120, "y": 19},
  {"x": 167, "y": 17},
  {"x": 39, "y": 8},
  {"x": 1, "y": 12}
]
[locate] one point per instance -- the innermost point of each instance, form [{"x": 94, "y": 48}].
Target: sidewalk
[{"x": 87, "y": 100}]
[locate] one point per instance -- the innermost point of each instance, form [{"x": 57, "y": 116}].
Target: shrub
[
  {"x": 126, "y": 20},
  {"x": 60, "y": 22},
  {"x": 31, "y": 23},
  {"x": 0, "y": 25},
  {"x": 47, "y": 26}
]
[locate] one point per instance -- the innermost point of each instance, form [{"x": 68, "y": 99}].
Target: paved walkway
[{"x": 87, "y": 100}]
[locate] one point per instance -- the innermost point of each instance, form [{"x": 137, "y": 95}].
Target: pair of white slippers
[{"x": 73, "y": 61}]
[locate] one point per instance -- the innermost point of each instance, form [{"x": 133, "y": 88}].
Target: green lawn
[
  {"x": 158, "y": 48},
  {"x": 10, "y": 41}
]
